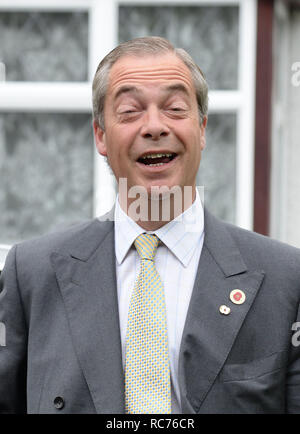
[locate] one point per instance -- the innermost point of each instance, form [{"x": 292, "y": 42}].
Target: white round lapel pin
[
  {"x": 237, "y": 296},
  {"x": 225, "y": 310}
]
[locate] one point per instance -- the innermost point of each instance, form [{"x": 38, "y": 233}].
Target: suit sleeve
[
  {"x": 13, "y": 341},
  {"x": 293, "y": 374}
]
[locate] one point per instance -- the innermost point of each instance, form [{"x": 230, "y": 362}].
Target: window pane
[
  {"x": 46, "y": 173},
  {"x": 209, "y": 34},
  {"x": 218, "y": 166},
  {"x": 44, "y": 46}
]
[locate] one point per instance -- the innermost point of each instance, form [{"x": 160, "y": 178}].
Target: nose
[{"x": 154, "y": 126}]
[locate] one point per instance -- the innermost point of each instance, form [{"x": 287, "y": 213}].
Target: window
[
  {"x": 285, "y": 204},
  {"x": 50, "y": 174}
]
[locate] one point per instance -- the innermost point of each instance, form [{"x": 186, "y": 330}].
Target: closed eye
[
  {"x": 130, "y": 114},
  {"x": 177, "y": 111},
  {"x": 128, "y": 111}
]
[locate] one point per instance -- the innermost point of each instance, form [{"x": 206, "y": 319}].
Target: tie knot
[{"x": 146, "y": 245}]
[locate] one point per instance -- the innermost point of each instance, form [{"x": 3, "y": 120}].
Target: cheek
[
  {"x": 188, "y": 131},
  {"x": 118, "y": 153}
]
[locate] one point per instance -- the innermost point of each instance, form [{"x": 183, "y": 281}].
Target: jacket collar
[
  {"x": 85, "y": 270},
  {"x": 208, "y": 335}
]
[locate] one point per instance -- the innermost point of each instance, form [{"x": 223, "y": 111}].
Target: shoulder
[
  {"x": 274, "y": 257},
  {"x": 56, "y": 239},
  {"x": 252, "y": 243},
  {"x": 78, "y": 237},
  {"x": 246, "y": 240},
  {"x": 237, "y": 248},
  {"x": 258, "y": 252}
]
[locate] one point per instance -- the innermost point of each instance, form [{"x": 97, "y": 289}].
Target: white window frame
[
  {"x": 76, "y": 97},
  {"x": 240, "y": 101},
  {"x": 280, "y": 132}
]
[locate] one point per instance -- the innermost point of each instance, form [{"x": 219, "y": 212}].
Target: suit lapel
[
  {"x": 85, "y": 272},
  {"x": 208, "y": 335},
  {"x": 86, "y": 276}
]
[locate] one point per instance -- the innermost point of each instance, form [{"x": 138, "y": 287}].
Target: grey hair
[{"x": 150, "y": 45}]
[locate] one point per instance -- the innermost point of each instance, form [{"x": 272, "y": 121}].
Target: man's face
[{"x": 151, "y": 111}]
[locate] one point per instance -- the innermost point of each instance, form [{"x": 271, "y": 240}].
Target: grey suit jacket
[{"x": 58, "y": 302}]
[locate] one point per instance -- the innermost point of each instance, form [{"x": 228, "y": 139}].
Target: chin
[{"x": 159, "y": 190}]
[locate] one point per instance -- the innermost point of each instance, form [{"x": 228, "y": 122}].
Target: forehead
[{"x": 149, "y": 70}]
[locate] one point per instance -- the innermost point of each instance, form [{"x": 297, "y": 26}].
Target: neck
[{"x": 151, "y": 212}]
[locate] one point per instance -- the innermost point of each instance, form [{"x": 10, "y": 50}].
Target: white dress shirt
[{"x": 176, "y": 261}]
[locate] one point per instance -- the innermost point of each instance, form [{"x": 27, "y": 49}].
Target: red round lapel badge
[{"x": 237, "y": 296}]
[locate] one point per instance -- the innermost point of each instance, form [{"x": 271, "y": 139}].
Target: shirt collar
[
  {"x": 180, "y": 235},
  {"x": 126, "y": 231}
]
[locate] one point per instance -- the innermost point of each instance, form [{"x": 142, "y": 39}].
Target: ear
[
  {"x": 100, "y": 141},
  {"x": 202, "y": 133}
]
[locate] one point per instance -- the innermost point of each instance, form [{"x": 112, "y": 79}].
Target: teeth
[
  {"x": 157, "y": 164},
  {"x": 156, "y": 156}
]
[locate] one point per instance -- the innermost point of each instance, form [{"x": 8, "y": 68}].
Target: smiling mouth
[{"x": 157, "y": 159}]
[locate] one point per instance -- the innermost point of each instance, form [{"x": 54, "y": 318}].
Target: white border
[
  {"x": 246, "y": 114},
  {"x": 280, "y": 132}
]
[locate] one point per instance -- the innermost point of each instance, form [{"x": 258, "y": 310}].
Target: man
[{"x": 147, "y": 315}]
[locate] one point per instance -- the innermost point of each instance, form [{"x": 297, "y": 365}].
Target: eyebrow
[
  {"x": 126, "y": 89},
  {"x": 177, "y": 87}
]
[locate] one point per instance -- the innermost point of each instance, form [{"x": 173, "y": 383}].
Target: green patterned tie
[{"x": 147, "y": 368}]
